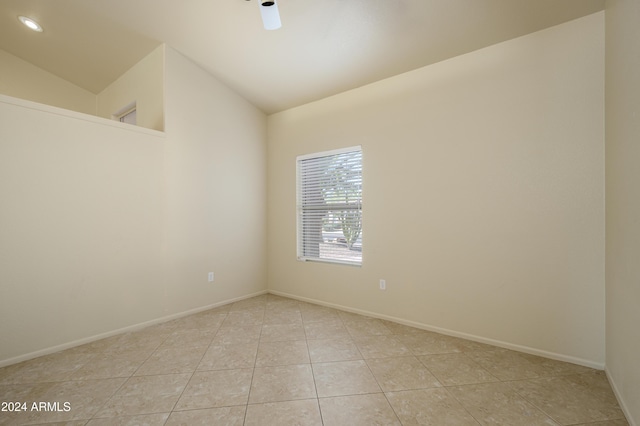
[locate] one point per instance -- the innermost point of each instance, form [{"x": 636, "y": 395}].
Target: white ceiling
[{"x": 324, "y": 46}]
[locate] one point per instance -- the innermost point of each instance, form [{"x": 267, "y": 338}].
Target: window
[
  {"x": 129, "y": 117},
  {"x": 329, "y": 203},
  {"x": 127, "y": 114}
]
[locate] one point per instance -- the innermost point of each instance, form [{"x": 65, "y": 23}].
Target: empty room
[{"x": 363, "y": 212}]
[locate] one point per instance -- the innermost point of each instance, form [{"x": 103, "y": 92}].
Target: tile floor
[{"x": 269, "y": 360}]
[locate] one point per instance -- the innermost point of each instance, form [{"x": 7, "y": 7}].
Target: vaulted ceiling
[{"x": 324, "y": 46}]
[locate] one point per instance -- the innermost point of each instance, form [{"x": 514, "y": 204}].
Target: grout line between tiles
[{"x": 352, "y": 334}]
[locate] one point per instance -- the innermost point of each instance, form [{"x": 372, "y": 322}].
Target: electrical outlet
[
  {"x": 383, "y": 285},
  {"x": 210, "y": 277}
]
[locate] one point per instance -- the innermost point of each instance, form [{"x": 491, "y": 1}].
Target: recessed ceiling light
[{"x": 30, "y": 23}]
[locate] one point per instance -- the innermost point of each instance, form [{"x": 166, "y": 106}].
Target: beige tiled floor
[{"x": 275, "y": 361}]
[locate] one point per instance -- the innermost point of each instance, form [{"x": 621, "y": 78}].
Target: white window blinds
[{"x": 329, "y": 202}]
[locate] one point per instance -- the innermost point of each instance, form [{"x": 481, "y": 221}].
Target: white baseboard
[
  {"x": 479, "y": 339},
  {"x": 135, "y": 327},
  {"x": 621, "y": 400}
]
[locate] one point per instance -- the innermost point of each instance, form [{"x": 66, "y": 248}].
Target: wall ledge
[{"x": 77, "y": 115}]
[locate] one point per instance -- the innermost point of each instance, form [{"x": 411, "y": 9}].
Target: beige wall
[
  {"x": 215, "y": 172},
  {"x": 143, "y": 85},
  {"x": 106, "y": 226},
  {"x": 623, "y": 201},
  {"x": 80, "y": 227},
  {"x": 483, "y": 194},
  {"x": 24, "y": 80}
]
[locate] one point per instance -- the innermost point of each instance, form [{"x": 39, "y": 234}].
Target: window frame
[
  {"x": 300, "y": 235},
  {"x": 122, "y": 113}
]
